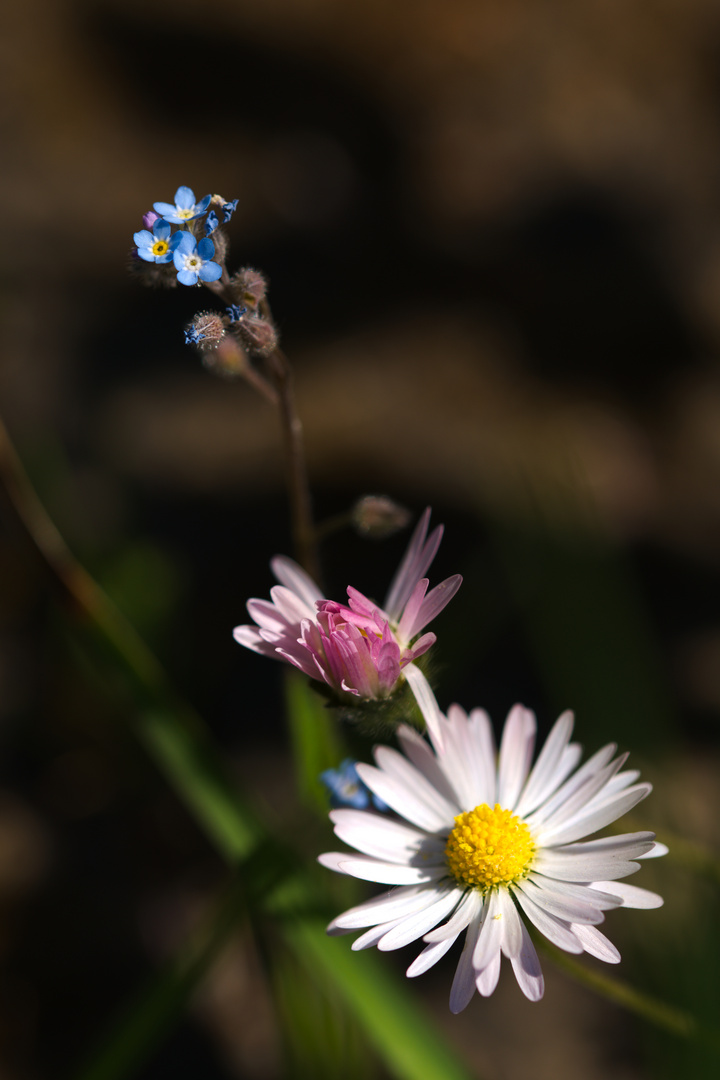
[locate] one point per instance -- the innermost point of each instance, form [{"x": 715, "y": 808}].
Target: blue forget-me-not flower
[
  {"x": 193, "y": 260},
  {"x": 185, "y": 208}
]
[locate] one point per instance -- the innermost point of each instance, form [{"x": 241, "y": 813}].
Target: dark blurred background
[{"x": 492, "y": 232}]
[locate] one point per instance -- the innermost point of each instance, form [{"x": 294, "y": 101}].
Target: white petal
[
  {"x": 555, "y": 930},
  {"x": 368, "y": 869},
  {"x": 488, "y": 943},
  {"x": 463, "y": 986},
  {"x": 593, "y": 894},
  {"x": 469, "y": 908},
  {"x": 371, "y": 937},
  {"x": 266, "y": 615},
  {"x": 598, "y": 761},
  {"x": 331, "y": 860},
  {"x": 596, "y": 944},
  {"x": 632, "y": 896},
  {"x": 516, "y": 749},
  {"x": 571, "y": 909},
  {"x": 527, "y": 969},
  {"x": 587, "y": 824},
  {"x": 381, "y": 836},
  {"x": 294, "y": 577},
  {"x": 250, "y": 638},
  {"x": 511, "y": 941},
  {"x": 487, "y": 979},
  {"x": 429, "y": 956},
  {"x": 396, "y": 765},
  {"x": 422, "y": 692},
  {"x": 402, "y": 799},
  {"x": 290, "y": 606},
  {"x": 605, "y": 859},
  {"x": 394, "y": 904},
  {"x": 576, "y": 804},
  {"x": 656, "y": 852},
  {"x": 468, "y": 757},
  {"x": 482, "y": 749},
  {"x": 546, "y": 776},
  {"x": 416, "y": 748},
  {"x": 414, "y": 926}
]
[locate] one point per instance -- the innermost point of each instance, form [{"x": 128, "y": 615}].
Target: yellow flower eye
[{"x": 160, "y": 247}]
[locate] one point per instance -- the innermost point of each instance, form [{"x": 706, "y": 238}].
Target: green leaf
[
  {"x": 404, "y": 1037},
  {"x": 316, "y": 740}
]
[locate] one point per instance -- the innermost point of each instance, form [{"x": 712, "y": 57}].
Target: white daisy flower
[{"x": 485, "y": 840}]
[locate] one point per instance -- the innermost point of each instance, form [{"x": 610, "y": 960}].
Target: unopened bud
[
  {"x": 259, "y": 334},
  {"x": 378, "y": 516},
  {"x": 229, "y": 360},
  {"x": 206, "y": 331},
  {"x": 251, "y": 285},
  {"x": 150, "y": 218}
]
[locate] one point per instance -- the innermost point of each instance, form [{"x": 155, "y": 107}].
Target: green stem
[{"x": 674, "y": 1020}]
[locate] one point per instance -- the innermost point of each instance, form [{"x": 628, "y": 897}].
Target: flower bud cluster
[{"x": 184, "y": 242}]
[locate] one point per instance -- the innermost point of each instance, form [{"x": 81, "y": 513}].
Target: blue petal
[
  {"x": 161, "y": 230},
  {"x": 203, "y": 205},
  {"x": 164, "y": 209},
  {"x": 164, "y": 258},
  {"x": 187, "y": 277},
  {"x": 144, "y": 238},
  {"x": 229, "y": 209},
  {"x": 184, "y": 198},
  {"x": 183, "y": 242},
  {"x": 146, "y": 254},
  {"x": 206, "y": 248},
  {"x": 210, "y": 271}
]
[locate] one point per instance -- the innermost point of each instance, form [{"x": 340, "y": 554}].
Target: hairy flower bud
[
  {"x": 259, "y": 334},
  {"x": 378, "y": 516},
  {"x": 206, "y": 331},
  {"x": 251, "y": 285}
]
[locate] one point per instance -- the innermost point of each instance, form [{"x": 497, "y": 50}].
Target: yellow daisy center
[
  {"x": 489, "y": 848},
  {"x": 160, "y": 247}
]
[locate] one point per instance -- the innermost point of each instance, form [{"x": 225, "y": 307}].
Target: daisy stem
[{"x": 668, "y": 1017}]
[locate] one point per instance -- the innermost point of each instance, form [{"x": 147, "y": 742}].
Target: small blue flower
[
  {"x": 193, "y": 260},
  {"x": 192, "y": 336},
  {"x": 235, "y": 312},
  {"x": 347, "y": 789},
  {"x": 185, "y": 208},
  {"x": 155, "y": 246},
  {"x": 229, "y": 209},
  {"x": 211, "y": 223}
]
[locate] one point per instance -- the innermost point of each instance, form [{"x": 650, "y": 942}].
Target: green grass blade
[
  {"x": 315, "y": 737},
  {"x": 405, "y": 1039}
]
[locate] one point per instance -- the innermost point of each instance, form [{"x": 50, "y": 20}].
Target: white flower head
[{"x": 486, "y": 840}]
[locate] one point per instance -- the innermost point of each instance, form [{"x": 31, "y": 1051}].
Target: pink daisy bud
[{"x": 361, "y": 651}]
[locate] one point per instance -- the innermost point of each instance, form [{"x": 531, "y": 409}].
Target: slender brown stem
[
  {"x": 304, "y": 537},
  {"x": 279, "y": 389}
]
